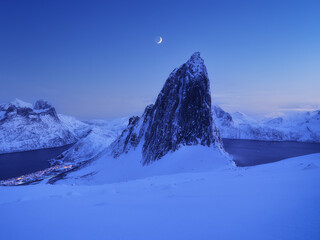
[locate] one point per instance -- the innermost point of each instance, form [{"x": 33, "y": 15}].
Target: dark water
[
  {"x": 245, "y": 153},
  {"x": 252, "y": 152},
  {"x": 20, "y": 163}
]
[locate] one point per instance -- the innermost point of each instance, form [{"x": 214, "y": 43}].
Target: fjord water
[
  {"x": 21, "y": 163},
  {"x": 254, "y": 152},
  {"x": 244, "y": 152}
]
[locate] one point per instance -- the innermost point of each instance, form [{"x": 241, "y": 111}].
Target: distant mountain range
[
  {"x": 302, "y": 126},
  {"x": 24, "y": 126},
  {"x": 181, "y": 128},
  {"x": 181, "y": 131}
]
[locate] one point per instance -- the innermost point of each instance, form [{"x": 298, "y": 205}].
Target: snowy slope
[
  {"x": 304, "y": 127},
  {"x": 107, "y": 169},
  {"x": 26, "y": 127},
  {"x": 267, "y": 202},
  {"x": 101, "y": 135}
]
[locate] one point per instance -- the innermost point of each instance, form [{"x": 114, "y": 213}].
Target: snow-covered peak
[
  {"x": 21, "y": 104},
  {"x": 191, "y": 70},
  {"x": 17, "y": 103},
  {"x": 196, "y": 64},
  {"x": 20, "y": 109},
  {"x": 239, "y": 114},
  {"x": 223, "y": 118}
]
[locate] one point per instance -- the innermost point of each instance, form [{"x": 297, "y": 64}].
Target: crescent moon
[{"x": 160, "y": 40}]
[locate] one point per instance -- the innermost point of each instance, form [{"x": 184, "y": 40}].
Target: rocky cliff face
[{"x": 180, "y": 116}]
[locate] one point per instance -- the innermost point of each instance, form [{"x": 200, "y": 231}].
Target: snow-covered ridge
[
  {"x": 303, "y": 126},
  {"x": 24, "y": 126},
  {"x": 101, "y": 135}
]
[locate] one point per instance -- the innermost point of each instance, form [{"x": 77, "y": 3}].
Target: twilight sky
[{"x": 98, "y": 59}]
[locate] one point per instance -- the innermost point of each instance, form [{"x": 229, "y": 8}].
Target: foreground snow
[{"x": 273, "y": 201}]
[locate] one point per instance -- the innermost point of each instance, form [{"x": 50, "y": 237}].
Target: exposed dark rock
[{"x": 42, "y": 105}]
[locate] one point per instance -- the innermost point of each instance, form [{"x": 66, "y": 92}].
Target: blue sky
[{"x": 98, "y": 59}]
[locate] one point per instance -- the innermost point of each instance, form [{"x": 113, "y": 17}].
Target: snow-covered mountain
[
  {"x": 176, "y": 134},
  {"x": 24, "y": 126},
  {"x": 303, "y": 126}
]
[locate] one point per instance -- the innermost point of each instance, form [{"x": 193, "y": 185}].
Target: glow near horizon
[{"x": 100, "y": 60}]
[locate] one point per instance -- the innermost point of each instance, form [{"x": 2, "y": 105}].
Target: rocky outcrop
[
  {"x": 18, "y": 108},
  {"x": 42, "y": 107}
]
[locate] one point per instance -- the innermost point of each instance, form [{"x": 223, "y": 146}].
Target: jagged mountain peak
[
  {"x": 181, "y": 116},
  {"x": 18, "y": 103},
  {"x": 196, "y": 65},
  {"x": 18, "y": 108},
  {"x": 193, "y": 67},
  {"x": 195, "y": 60}
]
